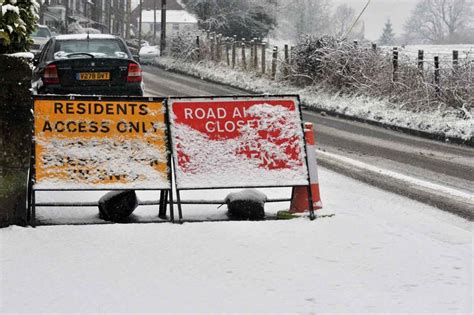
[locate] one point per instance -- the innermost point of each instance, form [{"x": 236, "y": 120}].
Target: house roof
[
  {"x": 172, "y": 16},
  {"x": 150, "y": 4}
]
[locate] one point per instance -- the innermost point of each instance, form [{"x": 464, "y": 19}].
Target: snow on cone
[{"x": 300, "y": 197}]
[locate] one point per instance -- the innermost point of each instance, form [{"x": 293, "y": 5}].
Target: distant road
[{"x": 436, "y": 162}]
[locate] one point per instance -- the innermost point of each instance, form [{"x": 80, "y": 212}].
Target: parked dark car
[{"x": 90, "y": 64}]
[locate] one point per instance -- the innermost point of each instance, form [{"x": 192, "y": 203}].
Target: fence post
[
  {"x": 436, "y": 75},
  {"x": 374, "y": 46},
  {"x": 356, "y": 43},
  {"x": 264, "y": 61},
  {"x": 455, "y": 61},
  {"x": 421, "y": 62},
  {"x": 227, "y": 57},
  {"x": 287, "y": 61},
  {"x": 274, "y": 62},
  {"x": 244, "y": 61},
  {"x": 255, "y": 54},
  {"x": 234, "y": 42},
  {"x": 395, "y": 64},
  {"x": 212, "y": 48},
  {"x": 198, "y": 45},
  {"x": 251, "y": 54},
  {"x": 218, "y": 47}
]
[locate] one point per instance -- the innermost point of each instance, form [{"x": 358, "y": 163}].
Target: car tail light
[
  {"x": 134, "y": 73},
  {"x": 51, "y": 75}
]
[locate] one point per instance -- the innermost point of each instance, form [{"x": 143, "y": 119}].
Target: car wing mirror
[{"x": 35, "y": 61}]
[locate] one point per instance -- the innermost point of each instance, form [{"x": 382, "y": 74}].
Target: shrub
[{"x": 183, "y": 46}]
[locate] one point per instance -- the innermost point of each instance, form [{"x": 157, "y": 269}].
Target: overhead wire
[{"x": 356, "y": 20}]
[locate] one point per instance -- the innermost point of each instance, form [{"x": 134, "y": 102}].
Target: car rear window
[{"x": 102, "y": 48}]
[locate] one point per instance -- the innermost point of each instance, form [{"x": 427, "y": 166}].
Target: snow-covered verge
[
  {"x": 26, "y": 55},
  {"x": 381, "y": 253},
  {"x": 441, "y": 123}
]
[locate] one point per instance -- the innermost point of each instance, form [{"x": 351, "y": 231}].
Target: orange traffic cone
[{"x": 302, "y": 198}]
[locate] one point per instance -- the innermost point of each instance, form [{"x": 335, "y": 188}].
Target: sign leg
[
  {"x": 171, "y": 206},
  {"x": 180, "y": 210},
  {"x": 312, "y": 216},
  {"x": 33, "y": 208}
]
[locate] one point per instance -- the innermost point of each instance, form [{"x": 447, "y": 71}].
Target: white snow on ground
[
  {"x": 381, "y": 253},
  {"x": 439, "y": 122}
]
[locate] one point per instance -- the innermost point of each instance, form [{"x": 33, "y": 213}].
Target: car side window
[{"x": 44, "y": 52}]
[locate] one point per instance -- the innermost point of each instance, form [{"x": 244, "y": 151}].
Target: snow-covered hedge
[
  {"x": 343, "y": 67},
  {"x": 18, "y": 20}
]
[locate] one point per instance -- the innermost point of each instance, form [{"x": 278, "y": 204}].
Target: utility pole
[
  {"x": 140, "y": 27},
  {"x": 154, "y": 22},
  {"x": 109, "y": 18},
  {"x": 127, "y": 27},
  {"x": 163, "y": 28},
  {"x": 122, "y": 17}
]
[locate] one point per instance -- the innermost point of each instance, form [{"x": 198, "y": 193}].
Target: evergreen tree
[
  {"x": 18, "y": 20},
  {"x": 388, "y": 36}
]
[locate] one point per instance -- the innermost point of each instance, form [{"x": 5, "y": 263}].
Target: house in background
[
  {"x": 177, "y": 18},
  {"x": 176, "y": 21}
]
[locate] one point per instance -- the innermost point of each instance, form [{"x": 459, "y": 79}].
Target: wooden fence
[{"x": 272, "y": 61}]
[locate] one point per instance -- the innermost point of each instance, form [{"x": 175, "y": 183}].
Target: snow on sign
[
  {"x": 237, "y": 142},
  {"x": 93, "y": 143}
]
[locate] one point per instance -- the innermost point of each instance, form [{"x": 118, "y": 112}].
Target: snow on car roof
[{"x": 84, "y": 36}]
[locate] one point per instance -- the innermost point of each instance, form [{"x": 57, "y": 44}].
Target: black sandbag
[
  {"x": 247, "y": 204},
  {"x": 116, "y": 206}
]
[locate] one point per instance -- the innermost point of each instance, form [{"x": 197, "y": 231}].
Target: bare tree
[
  {"x": 342, "y": 23},
  {"x": 441, "y": 22},
  {"x": 298, "y": 17}
]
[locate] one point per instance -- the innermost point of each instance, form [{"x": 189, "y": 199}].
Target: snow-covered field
[
  {"x": 438, "y": 121},
  {"x": 381, "y": 253}
]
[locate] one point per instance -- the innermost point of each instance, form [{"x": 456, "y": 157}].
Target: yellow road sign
[{"x": 92, "y": 143}]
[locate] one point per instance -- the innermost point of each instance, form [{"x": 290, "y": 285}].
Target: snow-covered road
[
  {"x": 381, "y": 253},
  {"x": 434, "y": 162}
]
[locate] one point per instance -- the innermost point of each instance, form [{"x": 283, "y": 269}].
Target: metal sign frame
[
  {"x": 180, "y": 202},
  {"x": 164, "y": 193}
]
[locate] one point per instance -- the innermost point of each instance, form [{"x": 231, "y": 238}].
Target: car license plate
[{"x": 93, "y": 76}]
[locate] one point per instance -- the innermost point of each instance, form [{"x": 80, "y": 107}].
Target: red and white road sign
[{"x": 237, "y": 142}]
